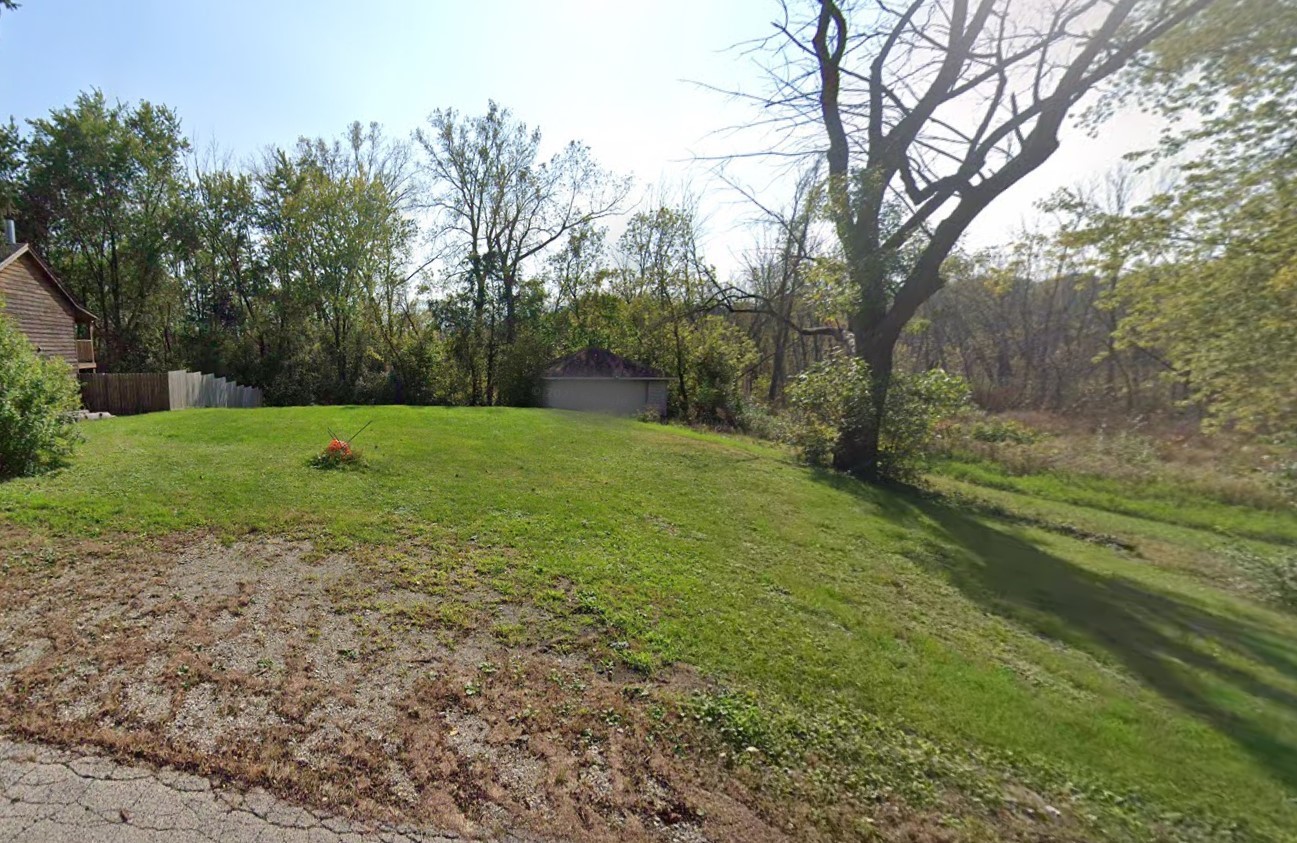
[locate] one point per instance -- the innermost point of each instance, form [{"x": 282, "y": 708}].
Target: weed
[
  {"x": 997, "y": 431},
  {"x": 1272, "y": 579}
]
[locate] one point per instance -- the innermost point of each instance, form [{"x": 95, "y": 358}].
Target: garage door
[{"x": 598, "y": 395}]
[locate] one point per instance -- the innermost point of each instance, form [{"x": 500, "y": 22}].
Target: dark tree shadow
[{"x": 1146, "y": 631}]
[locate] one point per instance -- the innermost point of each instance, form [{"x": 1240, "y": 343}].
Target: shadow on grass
[{"x": 1158, "y": 638}]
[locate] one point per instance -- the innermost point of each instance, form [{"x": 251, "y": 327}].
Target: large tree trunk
[{"x": 859, "y": 446}]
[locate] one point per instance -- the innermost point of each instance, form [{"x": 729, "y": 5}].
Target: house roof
[
  {"x": 600, "y": 363},
  {"x": 10, "y": 252}
]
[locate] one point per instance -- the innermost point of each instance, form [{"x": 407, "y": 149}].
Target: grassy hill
[{"x": 940, "y": 649}]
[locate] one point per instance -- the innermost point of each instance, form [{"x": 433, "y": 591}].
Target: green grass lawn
[
  {"x": 1154, "y": 501},
  {"x": 906, "y": 636}
]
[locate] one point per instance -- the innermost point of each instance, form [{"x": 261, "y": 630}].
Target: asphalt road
[{"x": 49, "y": 795}]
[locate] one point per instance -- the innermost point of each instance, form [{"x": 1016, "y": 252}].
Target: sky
[{"x": 622, "y": 77}]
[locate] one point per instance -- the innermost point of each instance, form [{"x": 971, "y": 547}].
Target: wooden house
[{"x": 42, "y": 308}]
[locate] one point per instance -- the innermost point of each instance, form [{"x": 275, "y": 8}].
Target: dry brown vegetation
[
  {"x": 233, "y": 660},
  {"x": 1242, "y": 470}
]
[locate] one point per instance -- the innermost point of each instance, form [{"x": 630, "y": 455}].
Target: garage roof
[{"x": 600, "y": 363}]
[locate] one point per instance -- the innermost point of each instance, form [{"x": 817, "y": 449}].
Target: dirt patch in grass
[
  {"x": 393, "y": 684},
  {"x": 269, "y": 663}
]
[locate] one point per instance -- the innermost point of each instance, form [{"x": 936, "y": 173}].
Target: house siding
[{"x": 39, "y": 310}]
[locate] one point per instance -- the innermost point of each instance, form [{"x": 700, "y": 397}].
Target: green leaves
[
  {"x": 834, "y": 399},
  {"x": 103, "y": 198},
  {"x": 37, "y": 400}
]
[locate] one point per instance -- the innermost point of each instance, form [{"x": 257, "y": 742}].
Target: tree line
[{"x": 451, "y": 265}]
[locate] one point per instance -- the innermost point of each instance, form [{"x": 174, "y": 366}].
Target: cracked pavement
[{"x": 49, "y": 795}]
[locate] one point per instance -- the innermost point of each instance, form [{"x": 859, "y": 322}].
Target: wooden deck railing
[{"x": 85, "y": 353}]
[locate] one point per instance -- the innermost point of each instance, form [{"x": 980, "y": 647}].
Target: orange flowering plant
[{"x": 339, "y": 453}]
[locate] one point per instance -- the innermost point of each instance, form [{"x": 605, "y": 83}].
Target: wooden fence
[
  {"x": 125, "y": 395},
  {"x": 129, "y": 394},
  {"x": 191, "y": 389}
]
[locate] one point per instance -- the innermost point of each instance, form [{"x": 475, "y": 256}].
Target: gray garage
[{"x": 598, "y": 381}]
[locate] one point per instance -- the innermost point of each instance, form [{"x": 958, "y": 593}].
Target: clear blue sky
[{"x": 615, "y": 75}]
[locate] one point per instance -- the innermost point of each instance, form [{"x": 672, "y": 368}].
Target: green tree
[
  {"x": 1213, "y": 287},
  {"x": 227, "y": 291},
  {"x": 11, "y": 168},
  {"x": 1224, "y": 316},
  {"x": 499, "y": 206},
  {"x": 337, "y": 246},
  {"x": 103, "y": 201}
]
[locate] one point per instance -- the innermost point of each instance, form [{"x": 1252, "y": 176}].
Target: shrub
[
  {"x": 649, "y": 414},
  {"x": 824, "y": 402},
  {"x": 297, "y": 381},
  {"x": 755, "y": 419},
  {"x": 38, "y": 402},
  {"x": 916, "y": 406},
  {"x": 718, "y": 354},
  {"x": 1283, "y": 477},
  {"x": 833, "y": 399},
  {"x": 1002, "y": 431},
  {"x": 1273, "y": 580},
  {"x": 1127, "y": 447}
]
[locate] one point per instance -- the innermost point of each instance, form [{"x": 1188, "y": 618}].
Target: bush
[
  {"x": 1273, "y": 580},
  {"x": 1283, "y": 477},
  {"x": 718, "y": 354},
  {"x": 916, "y": 406},
  {"x": 1002, "y": 431},
  {"x": 297, "y": 380},
  {"x": 38, "y": 402},
  {"x": 823, "y": 402},
  {"x": 755, "y": 419},
  {"x": 650, "y": 415},
  {"x": 833, "y": 399}
]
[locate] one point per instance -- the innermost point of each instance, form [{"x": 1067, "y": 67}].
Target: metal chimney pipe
[{"x": 11, "y": 236}]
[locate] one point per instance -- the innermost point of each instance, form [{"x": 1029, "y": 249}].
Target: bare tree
[
  {"x": 930, "y": 110},
  {"x": 777, "y": 273},
  {"x": 498, "y": 198}
]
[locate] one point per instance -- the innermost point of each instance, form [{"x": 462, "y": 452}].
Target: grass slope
[
  {"x": 1154, "y": 501},
  {"x": 843, "y": 610}
]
